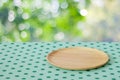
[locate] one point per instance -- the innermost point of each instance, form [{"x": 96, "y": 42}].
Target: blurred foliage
[
  {"x": 59, "y": 20},
  {"x": 40, "y": 20}
]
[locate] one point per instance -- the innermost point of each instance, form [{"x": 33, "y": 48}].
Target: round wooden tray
[{"x": 78, "y": 58}]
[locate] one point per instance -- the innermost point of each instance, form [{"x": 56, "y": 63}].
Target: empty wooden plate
[{"x": 78, "y": 58}]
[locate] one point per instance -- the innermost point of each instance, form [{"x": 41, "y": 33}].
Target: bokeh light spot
[
  {"x": 11, "y": 16},
  {"x": 83, "y": 12},
  {"x": 59, "y": 36},
  {"x": 23, "y": 34}
]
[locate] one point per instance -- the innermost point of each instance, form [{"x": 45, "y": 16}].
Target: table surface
[{"x": 27, "y": 61}]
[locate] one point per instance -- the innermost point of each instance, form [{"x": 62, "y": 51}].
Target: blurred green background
[{"x": 59, "y": 20}]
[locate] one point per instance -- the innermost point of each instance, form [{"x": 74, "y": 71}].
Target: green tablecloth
[{"x": 27, "y": 61}]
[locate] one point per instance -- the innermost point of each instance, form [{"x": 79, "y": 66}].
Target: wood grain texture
[{"x": 78, "y": 58}]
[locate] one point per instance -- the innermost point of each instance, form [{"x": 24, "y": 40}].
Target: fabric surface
[{"x": 27, "y": 61}]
